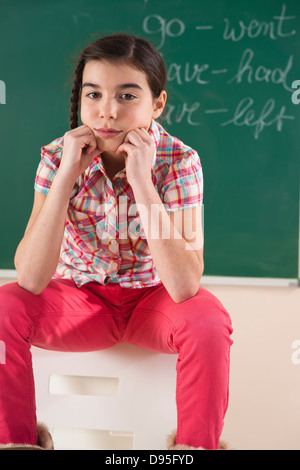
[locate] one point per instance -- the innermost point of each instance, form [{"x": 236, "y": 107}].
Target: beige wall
[{"x": 264, "y": 410}]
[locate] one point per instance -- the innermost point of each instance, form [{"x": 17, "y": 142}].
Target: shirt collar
[
  {"x": 97, "y": 164},
  {"x": 154, "y": 132}
]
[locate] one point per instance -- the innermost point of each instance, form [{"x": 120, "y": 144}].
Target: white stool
[{"x": 120, "y": 398}]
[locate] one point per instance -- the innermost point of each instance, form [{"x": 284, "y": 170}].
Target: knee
[
  {"x": 11, "y": 305},
  {"x": 206, "y": 322},
  {"x": 10, "y": 293}
]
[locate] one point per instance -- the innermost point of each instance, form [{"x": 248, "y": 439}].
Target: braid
[{"x": 75, "y": 95}]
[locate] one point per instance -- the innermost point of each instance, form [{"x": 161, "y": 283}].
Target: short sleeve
[
  {"x": 183, "y": 186},
  {"x": 48, "y": 166}
]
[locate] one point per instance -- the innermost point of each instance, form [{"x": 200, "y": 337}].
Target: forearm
[
  {"x": 177, "y": 264},
  {"x": 38, "y": 252}
]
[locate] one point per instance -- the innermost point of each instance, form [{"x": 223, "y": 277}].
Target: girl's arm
[
  {"x": 38, "y": 252},
  {"x": 175, "y": 241}
]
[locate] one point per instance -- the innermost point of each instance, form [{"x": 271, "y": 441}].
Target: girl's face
[{"x": 116, "y": 99}]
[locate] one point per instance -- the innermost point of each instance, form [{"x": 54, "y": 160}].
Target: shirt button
[
  {"x": 111, "y": 200},
  {"x": 80, "y": 225}
]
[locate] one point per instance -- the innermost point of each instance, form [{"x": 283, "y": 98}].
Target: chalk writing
[
  {"x": 2, "y": 92},
  {"x": 245, "y": 116},
  {"x": 187, "y": 113},
  {"x": 180, "y": 112},
  {"x": 249, "y": 111},
  {"x": 261, "y": 73},
  {"x": 172, "y": 28},
  {"x": 273, "y": 29},
  {"x": 176, "y": 27},
  {"x": 187, "y": 73}
]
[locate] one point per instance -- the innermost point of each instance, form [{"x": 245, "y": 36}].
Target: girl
[{"x": 112, "y": 251}]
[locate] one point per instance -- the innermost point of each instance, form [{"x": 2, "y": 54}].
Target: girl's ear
[{"x": 159, "y": 104}]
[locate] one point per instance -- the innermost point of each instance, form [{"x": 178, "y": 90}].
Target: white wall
[{"x": 264, "y": 409}]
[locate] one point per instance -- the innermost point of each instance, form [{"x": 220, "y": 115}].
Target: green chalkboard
[{"x": 231, "y": 65}]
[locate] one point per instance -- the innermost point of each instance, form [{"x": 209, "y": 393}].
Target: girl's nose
[{"x": 108, "y": 110}]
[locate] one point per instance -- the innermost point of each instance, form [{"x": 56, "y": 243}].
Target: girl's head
[{"x": 104, "y": 70}]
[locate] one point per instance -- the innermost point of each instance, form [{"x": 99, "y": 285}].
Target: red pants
[{"x": 94, "y": 317}]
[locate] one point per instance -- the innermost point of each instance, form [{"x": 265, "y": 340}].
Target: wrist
[
  {"x": 143, "y": 185},
  {"x": 146, "y": 193},
  {"x": 65, "y": 180}
]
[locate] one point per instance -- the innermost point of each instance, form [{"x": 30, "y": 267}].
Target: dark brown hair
[{"x": 135, "y": 51}]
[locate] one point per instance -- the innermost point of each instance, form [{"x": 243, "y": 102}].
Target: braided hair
[
  {"x": 76, "y": 95},
  {"x": 135, "y": 51}
]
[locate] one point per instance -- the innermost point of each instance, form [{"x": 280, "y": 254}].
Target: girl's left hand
[{"x": 138, "y": 149}]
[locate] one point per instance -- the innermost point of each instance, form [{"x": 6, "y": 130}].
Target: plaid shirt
[{"x": 103, "y": 238}]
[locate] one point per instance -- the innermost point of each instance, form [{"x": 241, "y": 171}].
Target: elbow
[
  {"x": 29, "y": 278},
  {"x": 30, "y": 285},
  {"x": 181, "y": 295},
  {"x": 184, "y": 296},
  {"x": 188, "y": 287},
  {"x": 31, "y": 288}
]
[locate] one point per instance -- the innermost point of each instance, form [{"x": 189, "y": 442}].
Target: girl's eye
[
  {"x": 93, "y": 95},
  {"x": 127, "y": 96}
]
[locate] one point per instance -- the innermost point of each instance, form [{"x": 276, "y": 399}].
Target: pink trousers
[{"x": 94, "y": 317}]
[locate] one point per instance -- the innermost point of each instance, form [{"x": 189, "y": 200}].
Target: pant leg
[
  {"x": 63, "y": 317},
  {"x": 198, "y": 330}
]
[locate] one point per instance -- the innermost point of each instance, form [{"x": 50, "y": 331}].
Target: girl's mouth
[{"x": 107, "y": 133}]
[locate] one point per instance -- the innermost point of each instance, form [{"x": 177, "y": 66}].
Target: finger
[
  {"x": 144, "y": 132},
  {"x": 81, "y": 130},
  {"x": 91, "y": 147},
  {"x": 88, "y": 139},
  {"x": 144, "y": 135},
  {"x": 94, "y": 153},
  {"x": 134, "y": 137},
  {"x": 124, "y": 149}
]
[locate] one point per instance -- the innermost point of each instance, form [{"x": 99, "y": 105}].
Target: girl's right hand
[{"x": 79, "y": 150}]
